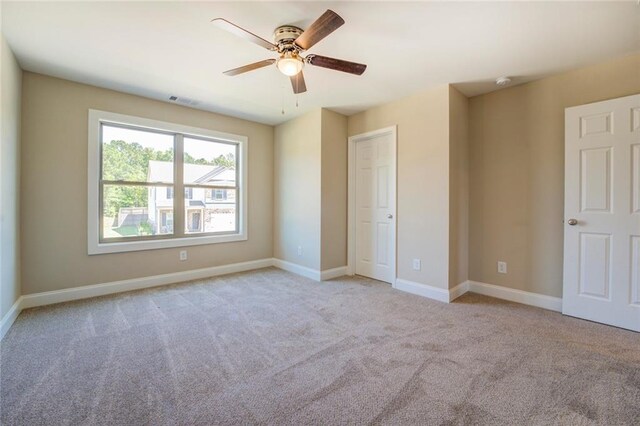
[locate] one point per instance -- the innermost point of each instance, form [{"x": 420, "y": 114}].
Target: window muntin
[{"x": 159, "y": 230}]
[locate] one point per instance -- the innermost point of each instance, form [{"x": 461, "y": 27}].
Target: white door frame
[{"x": 351, "y": 207}]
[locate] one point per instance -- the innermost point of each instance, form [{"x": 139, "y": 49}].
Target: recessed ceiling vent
[{"x": 183, "y": 101}]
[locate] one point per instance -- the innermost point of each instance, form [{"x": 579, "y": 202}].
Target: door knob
[
  {"x": 389, "y": 216},
  {"x": 572, "y": 222}
]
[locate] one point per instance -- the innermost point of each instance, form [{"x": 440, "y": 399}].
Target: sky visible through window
[{"x": 205, "y": 150}]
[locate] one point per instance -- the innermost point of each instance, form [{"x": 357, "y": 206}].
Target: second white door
[
  {"x": 375, "y": 202},
  {"x": 602, "y": 207}
]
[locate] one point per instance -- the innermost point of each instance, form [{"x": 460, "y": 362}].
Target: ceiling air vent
[{"x": 183, "y": 101}]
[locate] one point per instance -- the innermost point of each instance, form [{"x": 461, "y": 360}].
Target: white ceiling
[{"x": 158, "y": 49}]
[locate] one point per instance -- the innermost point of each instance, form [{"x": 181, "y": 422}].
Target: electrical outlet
[
  {"x": 502, "y": 267},
  {"x": 299, "y": 250},
  {"x": 417, "y": 264},
  {"x": 183, "y": 255}
]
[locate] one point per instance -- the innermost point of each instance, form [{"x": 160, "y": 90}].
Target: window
[
  {"x": 135, "y": 168},
  {"x": 166, "y": 222},
  {"x": 218, "y": 194}
]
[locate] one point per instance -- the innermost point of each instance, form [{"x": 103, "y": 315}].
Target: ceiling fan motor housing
[{"x": 285, "y": 36}]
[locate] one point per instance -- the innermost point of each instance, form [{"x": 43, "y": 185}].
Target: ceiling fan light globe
[{"x": 290, "y": 66}]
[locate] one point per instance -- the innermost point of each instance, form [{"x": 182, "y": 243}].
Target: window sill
[{"x": 126, "y": 246}]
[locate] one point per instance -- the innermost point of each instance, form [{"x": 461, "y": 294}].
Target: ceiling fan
[{"x": 290, "y": 42}]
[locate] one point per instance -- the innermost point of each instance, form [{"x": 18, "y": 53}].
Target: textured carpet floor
[{"x": 270, "y": 347}]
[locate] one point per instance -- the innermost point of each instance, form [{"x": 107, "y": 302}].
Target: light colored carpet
[{"x": 270, "y": 347}]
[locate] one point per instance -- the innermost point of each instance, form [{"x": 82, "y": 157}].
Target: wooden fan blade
[
  {"x": 298, "y": 84},
  {"x": 336, "y": 64},
  {"x": 250, "y": 67},
  {"x": 242, "y": 33},
  {"x": 322, "y": 27}
]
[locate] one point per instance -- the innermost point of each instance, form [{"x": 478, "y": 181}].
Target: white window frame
[{"x": 94, "y": 246}]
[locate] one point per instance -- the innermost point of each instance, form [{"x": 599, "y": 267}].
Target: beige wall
[
  {"x": 310, "y": 186},
  {"x": 458, "y": 187},
  {"x": 54, "y": 188},
  {"x": 508, "y": 159},
  {"x": 517, "y": 172},
  {"x": 334, "y": 190},
  {"x": 297, "y": 184},
  {"x": 423, "y": 180},
  {"x": 10, "y": 86}
]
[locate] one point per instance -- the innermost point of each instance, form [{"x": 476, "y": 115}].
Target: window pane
[
  {"x": 209, "y": 163},
  {"x": 211, "y": 210},
  {"x": 135, "y": 211},
  {"x": 136, "y": 155}
]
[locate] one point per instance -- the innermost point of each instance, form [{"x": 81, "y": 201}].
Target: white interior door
[
  {"x": 602, "y": 212},
  {"x": 375, "y": 206}
]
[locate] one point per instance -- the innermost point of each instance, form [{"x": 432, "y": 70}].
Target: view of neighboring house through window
[
  {"x": 203, "y": 212},
  {"x": 137, "y": 185}
]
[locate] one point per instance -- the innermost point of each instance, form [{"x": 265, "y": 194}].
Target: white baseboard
[
  {"x": 329, "y": 274},
  {"x": 423, "y": 290},
  {"x": 65, "y": 295},
  {"x": 499, "y": 292},
  {"x": 519, "y": 296},
  {"x": 10, "y": 317},
  {"x": 313, "y": 274},
  {"x": 458, "y": 291}
]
